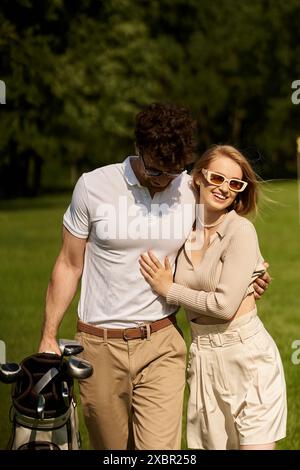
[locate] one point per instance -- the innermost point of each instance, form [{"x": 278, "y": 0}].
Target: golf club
[
  {"x": 40, "y": 406},
  {"x": 68, "y": 348},
  {"x": 47, "y": 377},
  {"x": 79, "y": 368},
  {"x": 70, "y": 344},
  {"x": 10, "y": 372},
  {"x": 65, "y": 393}
]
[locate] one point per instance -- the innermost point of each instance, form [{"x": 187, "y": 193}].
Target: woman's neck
[{"x": 211, "y": 218}]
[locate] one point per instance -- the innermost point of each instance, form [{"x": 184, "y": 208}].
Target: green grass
[{"x": 30, "y": 233}]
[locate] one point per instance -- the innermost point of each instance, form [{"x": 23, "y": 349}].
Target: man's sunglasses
[
  {"x": 217, "y": 180},
  {"x": 154, "y": 172}
]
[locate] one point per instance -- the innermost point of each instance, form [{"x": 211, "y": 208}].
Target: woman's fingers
[
  {"x": 154, "y": 260},
  {"x": 146, "y": 275},
  {"x": 167, "y": 263},
  {"x": 146, "y": 267},
  {"x": 149, "y": 262}
]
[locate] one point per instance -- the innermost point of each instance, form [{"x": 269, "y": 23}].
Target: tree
[{"x": 78, "y": 71}]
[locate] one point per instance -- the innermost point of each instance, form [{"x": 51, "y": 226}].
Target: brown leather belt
[{"x": 127, "y": 333}]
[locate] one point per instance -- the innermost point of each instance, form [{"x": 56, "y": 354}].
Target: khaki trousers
[{"x": 134, "y": 398}]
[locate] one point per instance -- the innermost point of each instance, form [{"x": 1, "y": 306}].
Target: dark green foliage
[{"x": 76, "y": 73}]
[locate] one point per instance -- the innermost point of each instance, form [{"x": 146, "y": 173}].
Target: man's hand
[
  {"x": 261, "y": 284},
  {"x": 49, "y": 345}
]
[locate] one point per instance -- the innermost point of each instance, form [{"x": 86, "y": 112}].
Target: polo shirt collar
[
  {"x": 129, "y": 173},
  {"x": 222, "y": 229}
]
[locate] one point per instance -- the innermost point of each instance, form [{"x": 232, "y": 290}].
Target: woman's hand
[{"x": 158, "y": 276}]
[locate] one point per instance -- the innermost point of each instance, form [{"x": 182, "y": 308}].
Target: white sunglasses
[{"x": 217, "y": 179}]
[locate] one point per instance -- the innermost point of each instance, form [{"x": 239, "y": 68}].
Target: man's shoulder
[
  {"x": 185, "y": 184},
  {"x": 186, "y": 176},
  {"x": 111, "y": 167},
  {"x": 101, "y": 172},
  {"x": 184, "y": 181}
]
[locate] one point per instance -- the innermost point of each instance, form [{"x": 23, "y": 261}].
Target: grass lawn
[{"x": 29, "y": 242}]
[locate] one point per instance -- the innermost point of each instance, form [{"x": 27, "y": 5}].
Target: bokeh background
[{"x": 76, "y": 74}]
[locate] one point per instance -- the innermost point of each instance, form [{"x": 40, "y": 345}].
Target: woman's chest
[{"x": 199, "y": 269}]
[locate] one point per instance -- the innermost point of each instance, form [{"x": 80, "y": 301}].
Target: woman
[{"x": 237, "y": 387}]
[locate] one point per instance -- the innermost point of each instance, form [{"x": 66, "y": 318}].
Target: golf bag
[{"x": 43, "y": 412}]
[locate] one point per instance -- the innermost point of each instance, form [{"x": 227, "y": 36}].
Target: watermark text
[
  {"x": 296, "y": 94},
  {"x": 2, "y": 92},
  {"x": 296, "y": 354}
]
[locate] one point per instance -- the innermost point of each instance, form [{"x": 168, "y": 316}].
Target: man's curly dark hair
[{"x": 167, "y": 133}]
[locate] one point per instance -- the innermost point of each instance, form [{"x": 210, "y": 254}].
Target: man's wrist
[{"x": 48, "y": 337}]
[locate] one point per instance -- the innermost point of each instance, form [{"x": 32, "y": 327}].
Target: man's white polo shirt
[{"x": 120, "y": 220}]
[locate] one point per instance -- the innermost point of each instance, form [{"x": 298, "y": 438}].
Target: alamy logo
[
  {"x": 2, "y": 352},
  {"x": 2, "y": 92},
  {"x": 296, "y": 354},
  {"x": 296, "y": 95}
]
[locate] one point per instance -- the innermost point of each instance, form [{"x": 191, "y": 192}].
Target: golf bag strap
[{"x": 12, "y": 435}]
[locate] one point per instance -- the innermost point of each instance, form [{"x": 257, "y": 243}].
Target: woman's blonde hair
[{"x": 246, "y": 201}]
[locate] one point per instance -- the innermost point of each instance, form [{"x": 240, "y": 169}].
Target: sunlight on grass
[{"x": 29, "y": 243}]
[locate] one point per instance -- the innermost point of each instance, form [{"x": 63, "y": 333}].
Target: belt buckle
[
  {"x": 125, "y": 335},
  {"x": 215, "y": 340},
  {"x": 143, "y": 330}
]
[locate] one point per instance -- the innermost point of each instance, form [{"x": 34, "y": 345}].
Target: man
[{"x": 134, "y": 398}]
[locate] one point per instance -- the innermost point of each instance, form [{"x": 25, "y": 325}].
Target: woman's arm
[{"x": 239, "y": 264}]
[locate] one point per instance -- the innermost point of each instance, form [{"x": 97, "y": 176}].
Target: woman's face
[{"x": 219, "y": 198}]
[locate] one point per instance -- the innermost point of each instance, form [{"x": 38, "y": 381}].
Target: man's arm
[
  {"x": 261, "y": 283},
  {"x": 62, "y": 288}
]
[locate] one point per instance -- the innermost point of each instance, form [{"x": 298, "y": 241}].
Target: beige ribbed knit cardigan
[{"x": 224, "y": 277}]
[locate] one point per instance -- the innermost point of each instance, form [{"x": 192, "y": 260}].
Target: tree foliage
[{"x": 76, "y": 73}]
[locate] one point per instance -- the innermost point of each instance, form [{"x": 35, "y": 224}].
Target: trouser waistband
[
  {"x": 140, "y": 332},
  {"x": 219, "y": 335}
]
